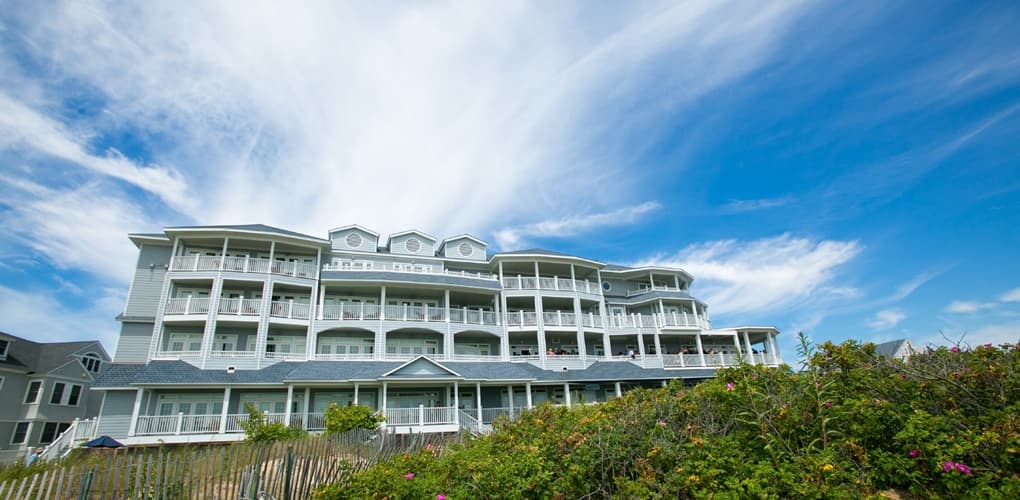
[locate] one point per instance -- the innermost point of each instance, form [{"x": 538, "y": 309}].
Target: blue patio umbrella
[{"x": 104, "y": 442}]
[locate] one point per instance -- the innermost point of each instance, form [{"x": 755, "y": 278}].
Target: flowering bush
[{"x": 851, "y": 424}]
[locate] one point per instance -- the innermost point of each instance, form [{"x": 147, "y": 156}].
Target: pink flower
[
  {"x": 730, "y": 386},
  {"x": 755, "y": 377},
  {"x": 963, "y": 468},
  {"x": 914, "y": 453},
  {"x": 827, "y": 404},
  {"x": 409, "y": 475},
  {"x": 440, "y": 497},
  {"x": 662, "y": 423},
  {"x": 954, "y": 349},
  {"x": 951, "y": 466}
]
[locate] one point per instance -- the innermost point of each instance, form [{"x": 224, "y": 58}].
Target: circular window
[
  {"x": 354, "y": 240},
  {"x": 412, "y": 245},
  {"x": 607, "y": 286},
  {"x": 466, "y": 249}
]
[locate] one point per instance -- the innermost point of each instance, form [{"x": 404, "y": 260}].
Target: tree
[
  {"x": 258, "y": 430},
  {"x": 340, "y": 419}
]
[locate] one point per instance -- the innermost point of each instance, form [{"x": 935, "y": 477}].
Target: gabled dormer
[
  {"x": 412, "y": 242},
  {"x": 354, "y": 237},
  {"x": 463, "y": 246}
]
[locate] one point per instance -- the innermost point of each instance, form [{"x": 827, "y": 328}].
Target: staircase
[
  {"x": 79, "y": 432},
  {"x": 469, "y": 423}
]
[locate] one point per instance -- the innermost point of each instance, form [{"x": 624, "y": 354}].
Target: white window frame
[
  {"x": 14, "y": 432},
  {"x": 91, "y": 358},
  {"x": 38, "y": 394},
  {"x": 187, "y": 338},
  {"x": 65, "y": 394}
]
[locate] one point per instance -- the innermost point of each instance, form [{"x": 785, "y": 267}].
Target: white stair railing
[{"x": 79, "y": 432}]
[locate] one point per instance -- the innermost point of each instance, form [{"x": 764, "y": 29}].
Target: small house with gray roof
[
  {"x": 45, "y": 389},
  {"x": 435, "y": 335}
]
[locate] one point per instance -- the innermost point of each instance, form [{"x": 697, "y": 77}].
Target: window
[
  {"x": 354, "y": 240},
  {"x": 4, "y": 344},
  {"x": 91, "y": 362},
  {"x": 51, "y": 430},
  {"x": 32, "y": 393},
  {"x": 20, "y": 433},
  {"x": 64, "y": 396}
]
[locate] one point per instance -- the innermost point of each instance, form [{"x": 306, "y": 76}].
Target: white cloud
[
  {"x": 741, "y": 206},
  {"x": 968, "y": 307},
  {"x": 887, "y": 318},
  {"x": 764, "y": 275},
  {"x": 566, "y": 227},
  {"x": 1011, "y": 296}
]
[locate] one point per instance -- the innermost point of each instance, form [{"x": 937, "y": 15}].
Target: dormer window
[
  {"x": 466, "y": 249},
  {"x": 412, "y": 245},
  {"x": 4, "y": 344},
  {"x": 92, "y": 362},
  {"x": 354, "y": 240}
]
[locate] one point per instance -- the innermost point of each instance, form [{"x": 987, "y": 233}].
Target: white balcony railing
[
  {"x": 550, "y": 283},
  {"x": 240, "y": 307},
  {"x": 424, "y": 314},
  {"x": 243, "y": 265},
  {"x": 402, "y": 267},
  {"x": 489, "y": 415},
  {"x": 187, "y": 306},
  {"x": 79, "y": 432},
  {"x": 289, "y": 309},
  {"x": 421, "y": 415},
  {"x": 233, "y": 354},
  {"x": 656, "y": 288},
  {"x": 522, "y": 318},
  {"x": 167, "y": 354},
  {"x": 343, "y": 357},
  {"x": 349, "y": 311},
  {"x": 559, "y": 318},
  {"x": 473, "y": 316}
]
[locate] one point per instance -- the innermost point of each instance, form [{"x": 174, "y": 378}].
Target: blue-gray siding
[
  {"x": 115, "y": 419},
  {"x": 148, "y": 281},
  {"x": 134, "y": 341}
]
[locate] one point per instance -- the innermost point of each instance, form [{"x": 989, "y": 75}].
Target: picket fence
[{"x": 282, "y": 470}]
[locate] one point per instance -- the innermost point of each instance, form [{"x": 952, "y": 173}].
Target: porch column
[
  {"x": 478, "y": 404},
  {"x": 456, "y": 403},
  {"x": 641, "y": 345},
  {"x": 272, "y": 254},
  {"x": 736, "y": 343},
  {"x": 223, "y": 254},
  {"x": 527, "y": 395},
  {"x": 566, "y": 393},
  {"x": 539, "y": 320},
  {"x": 356, "y": 387},
  {"x": 676, "y": 281},
  {"x": 322, "y": 300},
  {"x": 747, "y": 342},
  {"x": 773, "y": 347},
  {"x": 383, "y": 407},
  {"x": 290, "y": 402},
  {"x": 135, "y": 411},
  {"x": 510, "y": 398},
  {"x": 701, "y": 349},
  {"x": 224, "y": 411},
  {"x": 664, "y": 383},
  {"x": 304, "y": 408},
  {"x": 446, "y": 302},
  {"x": 658, "y": 344},
  {"x": 619, "y": 390},
  {"x": 694, "y": 307},
  {"x": 382, "y": 303}
]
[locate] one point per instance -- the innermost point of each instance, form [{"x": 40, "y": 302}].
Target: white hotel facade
[{"x": 435, "y": 335}]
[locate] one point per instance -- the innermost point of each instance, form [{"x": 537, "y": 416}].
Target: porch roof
[{"x": 402, "y": 277}]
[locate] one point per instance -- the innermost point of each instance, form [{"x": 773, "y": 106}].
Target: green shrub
[
  {"x": 258, "y": 430},
  {"x": 850, "y": 425},
  {"x": 340, "y": 419}
]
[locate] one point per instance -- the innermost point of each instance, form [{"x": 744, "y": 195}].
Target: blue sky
[{"x": 850, "y": 170}]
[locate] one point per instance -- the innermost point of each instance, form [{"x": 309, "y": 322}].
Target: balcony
[
  {"x": 682, "y": 320},
  {"x": 550, "y": 283},
  {"x": 250, "y": 308},
  {"x": 421, "y": 416},
  {"x": 195, "y": 263},
  {"x": 399, "y": 267},
  {"x": 421, "y": 314},
  {"x": 559, "y": 318},
  {"x": 185, "y": 306},
  {"x": 289, "y": 310},
  {"x": 522, "y": 318},
  {"x": 654, "y": 288}
]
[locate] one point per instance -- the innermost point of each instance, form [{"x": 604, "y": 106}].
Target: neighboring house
[
  {"x": 900, "y": 349},
  {"x": 44, "y": 388},
  {"x": 435, "y": 334}
]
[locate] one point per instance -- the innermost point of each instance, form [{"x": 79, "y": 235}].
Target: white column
[
  {"x": 773, "y": 346},
  {"x": 510, "y": 398},
  {"x": 322, "y": 300},
  {"x": 456, "y": 403},
  {"x": 382, "y": 303},
  {"x": 641, "y": 345},
  {"x": 676, "y": 281},
  {"x": 694, "y": 307},
  {"x": 736, "y": 343},
  {"x": 383, "y": 407},
  {"x": 223, "y": 253},
  {"x": 747, "y": 342},
  {"x": 701, "y": 348},
  {"x": 446, "y": 300},
  {"x": 304, "y": 408},
  {"x": 356, "y": 387},
  {"x": 527, "y": 389},
  {"x": 135, "y": 411},
  {"x": 478, "y": 403},
  {"x": 664, "y": 383},
  {"x": 566, "y": 393},
  {"x": 224, "y": 410},
  {"x": 272, "y": 255},
  {"x": 619, "y": 390},
  {"x": 290, "y": 402}
]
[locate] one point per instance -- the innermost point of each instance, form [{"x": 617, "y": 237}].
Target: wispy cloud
[
  {"x": 968, "y": 307},
  {"x": 1011, "y": 296},
  {"x": 767, "y": 274},
  {"x": 25, "y": 312},
  {"x": 741, "y": 206},
  {"x": 565, "y": 227},
  {"x": 887, "y": 318}
]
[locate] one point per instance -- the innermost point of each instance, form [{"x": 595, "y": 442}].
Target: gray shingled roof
[
  {"x": 616, "y": 267},
  {"x": 181, "y": 373},
  {"x": 42, "y": 357},
  {"x": 411, "y": 278},
  {"x": 252, "y": 227}
]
